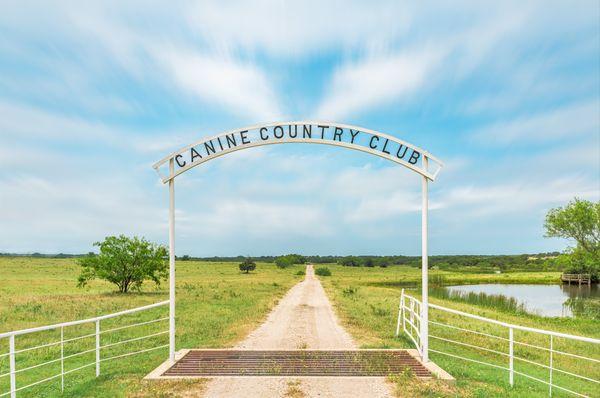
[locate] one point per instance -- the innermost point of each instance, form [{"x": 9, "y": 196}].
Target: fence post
[
  {"x": 511, "y": 343},
  {"x": 551, "y": 352},
  {"x": 11, "y": 355},
  {"x": 404, "y": 316},
  {"x": 97, "y": 347},
  {"x": 400, "y": 312},
  {"x": 412, "y": 313},
  {"x": 62, "y": 358}
]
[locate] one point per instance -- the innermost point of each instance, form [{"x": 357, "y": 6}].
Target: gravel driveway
[{"x": 303, "y": 319}]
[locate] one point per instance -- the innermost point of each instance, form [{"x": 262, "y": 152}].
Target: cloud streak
[
  {"x": 243, "y": 88},
  {"x": 376, "y": 81},
  {"x": 569, "y": 121}
]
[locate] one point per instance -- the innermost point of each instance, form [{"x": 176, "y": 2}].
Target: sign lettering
[{"x": 340, "y": 135}]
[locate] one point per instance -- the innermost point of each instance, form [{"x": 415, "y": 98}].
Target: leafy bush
[
  {"x": 323, "y": 271},
  {"x": 248, "y": 265},
  {"x": 301, "y": 272},
  {"x": 283, "y": 262}
]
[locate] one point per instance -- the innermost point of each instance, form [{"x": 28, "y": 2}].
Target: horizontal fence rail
[
  {"x": 535, "y": 354},
  {"x": 97, "y": 347}
]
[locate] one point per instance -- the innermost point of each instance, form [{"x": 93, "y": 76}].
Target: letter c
[
  {"x": 371, "y": 142},
  {"x": 262, "y": 137},
  {"x": 177, "y": 158}
]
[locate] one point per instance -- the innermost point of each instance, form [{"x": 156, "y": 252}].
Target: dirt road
[{"x": 303, "y": 319}]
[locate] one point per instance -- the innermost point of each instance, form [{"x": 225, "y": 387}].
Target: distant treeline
[
  {"x": 471, "y": 262},
  {"x": 42, "y": 255},
  {"x": 474, "y": 262}
]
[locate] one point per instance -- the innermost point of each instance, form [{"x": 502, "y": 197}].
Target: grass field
[
  {"x": 367, "y": 300},
  {"x": 216, "y": 306}
]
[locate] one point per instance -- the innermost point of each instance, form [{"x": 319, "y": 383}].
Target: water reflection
[{"x": 545, "y": 300}]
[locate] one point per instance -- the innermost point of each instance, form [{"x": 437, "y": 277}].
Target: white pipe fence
[
  {"x": 98, "y": 347},
  {"x": 409, "y": 318}
]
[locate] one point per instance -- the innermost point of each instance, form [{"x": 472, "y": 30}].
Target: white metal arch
[
  {"x": 342, "y": 135},
  {"x": 368, "y": 138}
]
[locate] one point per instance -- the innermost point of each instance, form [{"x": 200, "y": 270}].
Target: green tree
[
  {"x": 350, "y": 261},
  {"x": 384, "y": 262},
  {"x": 576, "y": 261},
  {"x": 579, "y": 220},
  {"x": 247, "y": 265},
  {"x": 289, "y": 259},
  {"x": 297, "y": 258},
  {"x": 125, "y": 262},
  {"x": 283, "y": 261}
]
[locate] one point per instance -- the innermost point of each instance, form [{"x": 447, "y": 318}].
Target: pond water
[{"x": 545, "y": 300}]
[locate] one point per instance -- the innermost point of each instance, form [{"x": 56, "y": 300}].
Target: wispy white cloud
[
  {"x": 379, "y": 80},
  {"x": 25, "y": 123},
  {"x": 568, "y": 121},
  {"x": 242, "y": 87},
  {"x": 105, "y": 41},
  {"x": 518, "y": 196},
  {"x": 392, "y": 75},
  {"x": 294, "y": 29},
  {"x": 496, "y": 45},
  {"x": 19, "y": 120},
  {"x": 255, "y": 219},
  {"x": 53, "y": 215}
]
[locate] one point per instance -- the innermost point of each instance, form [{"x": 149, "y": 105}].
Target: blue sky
[{"x": 507, "y": 94}]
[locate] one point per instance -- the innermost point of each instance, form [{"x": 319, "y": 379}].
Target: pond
[{"x": 544, "y": 300}]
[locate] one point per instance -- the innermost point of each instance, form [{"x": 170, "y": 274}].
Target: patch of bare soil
[{"x": 170, "y": 389}]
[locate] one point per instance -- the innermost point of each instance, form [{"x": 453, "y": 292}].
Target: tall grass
[
  {"x": 584, "y": 307},
  {"x": 495, "y": 301}
]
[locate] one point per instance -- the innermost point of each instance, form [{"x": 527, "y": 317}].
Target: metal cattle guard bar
[{"x": 312, "y": 132}]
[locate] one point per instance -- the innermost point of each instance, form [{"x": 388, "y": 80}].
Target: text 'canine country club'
[{"x": 295, "y": 133}]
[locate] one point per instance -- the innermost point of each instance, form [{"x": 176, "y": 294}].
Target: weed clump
[
  {"x": 350, "y": 290},
  {"x": 323, "y": 271},
  {"x": 496, "y": 301}
]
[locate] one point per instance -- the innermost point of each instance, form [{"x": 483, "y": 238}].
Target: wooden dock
[{"x": 580, "y": 279}]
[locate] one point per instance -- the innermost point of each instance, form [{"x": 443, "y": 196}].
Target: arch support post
[
  {"x": 424, "y": 269},
  {"x": 171, "y": 263}
]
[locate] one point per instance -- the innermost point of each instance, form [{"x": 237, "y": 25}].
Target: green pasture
[
  {"x": 217, "y": 305},
  {"x": 367, "y": 301}
]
